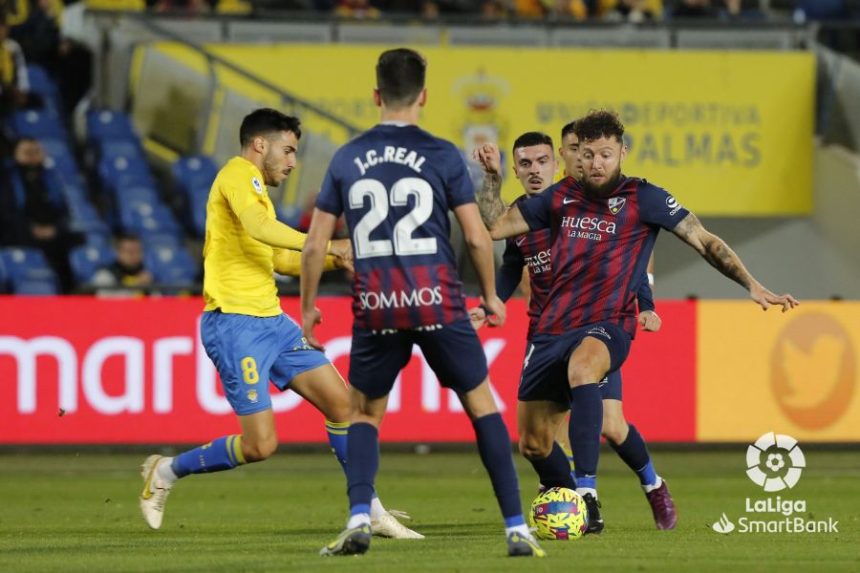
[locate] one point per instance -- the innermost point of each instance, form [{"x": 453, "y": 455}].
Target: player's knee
[
  {"x": 614, "y": 430},
  {"x": 581, "y": 374},
  {"x": 534, "y": 446},
  {"x": 259, "y": 450}
]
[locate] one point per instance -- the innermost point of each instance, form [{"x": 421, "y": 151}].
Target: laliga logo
[{"x": 775, "y": 462}]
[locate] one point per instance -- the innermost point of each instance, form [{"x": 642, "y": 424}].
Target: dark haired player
[
  {"x": 244, "y": 331},
  {"x": 395, "y": 184},
  {"x": 542, "y": 415},
  {"x": 603, "y": 231}
]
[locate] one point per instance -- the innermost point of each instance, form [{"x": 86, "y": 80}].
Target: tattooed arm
[
  {"x": 489, "y": 198},
  {"x": 720, "y": 256}
]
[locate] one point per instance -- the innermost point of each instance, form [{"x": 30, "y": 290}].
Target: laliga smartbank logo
[{"x": 775, "y": 462}]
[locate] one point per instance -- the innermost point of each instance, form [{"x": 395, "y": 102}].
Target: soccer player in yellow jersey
[{"x": 244, "y": 331}]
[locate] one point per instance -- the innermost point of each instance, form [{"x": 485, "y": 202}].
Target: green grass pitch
[{"x": 70, "y": 512}]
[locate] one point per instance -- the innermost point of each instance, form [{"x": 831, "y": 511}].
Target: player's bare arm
[
  {"x": 289, "y": 263},
  {"x": 720, "y": 256},
  {"x": 510, "y": 224},
  {"x": 489, "y": 197},
  {"x": 481, "y": 252},
  {"x": 313, "y": 260}
]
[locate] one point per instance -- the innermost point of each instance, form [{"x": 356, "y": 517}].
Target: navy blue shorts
[
  {"x": 610, "y": 387},
  {"x": 249, "y": 351},
  {"x": 544, "y": 374},
  {"x": 453, "y": 351}
]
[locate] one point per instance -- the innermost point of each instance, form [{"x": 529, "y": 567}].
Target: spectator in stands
[
  {"x": 820, "y": 10},
  {"x": 694, "y": 9},
  {"x": 128, "y": 270},
  {"x": 551, "y": 9},
  {"x": 493, "y": 10},
  {"x": 14, "y": 80},
  {"x": 357, "y": 9},
  {"x": 39, "y": 34},
  {"x": 42, "y": 222},
  {"x": 67, "y": 61},
  {"x": 429, "y": 11},
  {"x": 634, "y": 11},
  {"x": 741, "y": 10}
]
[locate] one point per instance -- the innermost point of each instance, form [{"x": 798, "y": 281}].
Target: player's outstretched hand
[
  {"x": 496, "y": 310},
  {"x": 309, "y": 320},
  {"x": 650, "y": 321},
  {"x": 341, "y": 248},
  {"x": 766, "y": 298},
  {"x": 345, "y": 264},
  {"x": 489, "y": 157},
  {"x": 477, "y": 317}
]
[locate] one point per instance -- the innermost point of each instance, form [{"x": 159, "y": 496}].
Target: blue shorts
[
  {"x": 249, "y": 351},
  {"x": 453, "y": 351},
  {"x": 610, "y": 387},
  {"x": 544, "y": 374}
]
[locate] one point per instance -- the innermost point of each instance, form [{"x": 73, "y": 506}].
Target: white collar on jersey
[{"x": 395, "y": 123}]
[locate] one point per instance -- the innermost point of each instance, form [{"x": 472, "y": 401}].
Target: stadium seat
[
  {"x": 42, "y": 84},
  {"x": 168, "y": 261},
  {"x": 122, "y": 172},
  {"x": 87, "y": 259},
  {"x": 113, "y": 147},
  {"x": 28, "y": 272},
  {"x": 37, "y": 124},
  {"x": 106, "y": 124},
  {"x": 194, "y": 171}
]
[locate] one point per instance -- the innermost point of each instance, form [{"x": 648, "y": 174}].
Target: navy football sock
[
  {"x": 634, "y": 453},
  {"x": 554, "y": 470},
  {"x": 362, "y": 464},
  {"x": 586, "y": 422},
  {"x": 218, "y": 455},
  {"x": 494, "y": 445}
]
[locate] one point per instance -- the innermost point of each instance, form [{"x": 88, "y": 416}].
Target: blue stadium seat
[
  {"x": 28, "y": 272},
  {"x": 37, "y": 124},
  {"x": 130, "y": 148},
  {"x": 122, "y": 172},
  {"x": 106, "y": 124},
  {"x": 87, "y": 259},
  {"x": 195, "y": 171},
  {"x": 59, "y": 156},
  {"x": 40, "y": 82},
  {"x": 168, "y": 261}
]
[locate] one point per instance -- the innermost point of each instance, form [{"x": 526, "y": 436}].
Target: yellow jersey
[{"x": 237, "y": 269}]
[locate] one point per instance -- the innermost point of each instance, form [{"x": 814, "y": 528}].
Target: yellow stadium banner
[
  {"x": 794, "y": 373},
  {"x": 729, "y": 133}
]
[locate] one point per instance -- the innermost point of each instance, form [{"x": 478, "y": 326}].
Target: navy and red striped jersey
[
  {"x": 600, "y": 249},
  {"x": 530, "y": 250},
  {"x": 395, "y": 184}
]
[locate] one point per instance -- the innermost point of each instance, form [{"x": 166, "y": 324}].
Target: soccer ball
[{"x": 559, "y": 513}]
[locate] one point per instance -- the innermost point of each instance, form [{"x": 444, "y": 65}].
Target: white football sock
[
  {"x": 521, "y": 529},
  {"x": 655, "y": 485},
  {"x": 358, "y": 520},
  {"x": 376, "y": 508},
  {"x": 585, "y": 490},
  {"x": 165, "y": 471}
]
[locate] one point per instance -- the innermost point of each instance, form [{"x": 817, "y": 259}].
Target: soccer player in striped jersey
[
  {"x": 244, "y": 331},
  {"x": 541, "y": 419},
  {"x": 395, "y": 184},
  {"x": 602, "y": 233}
]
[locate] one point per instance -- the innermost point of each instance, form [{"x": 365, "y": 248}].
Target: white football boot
[{"x": 155, "y": 492}]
